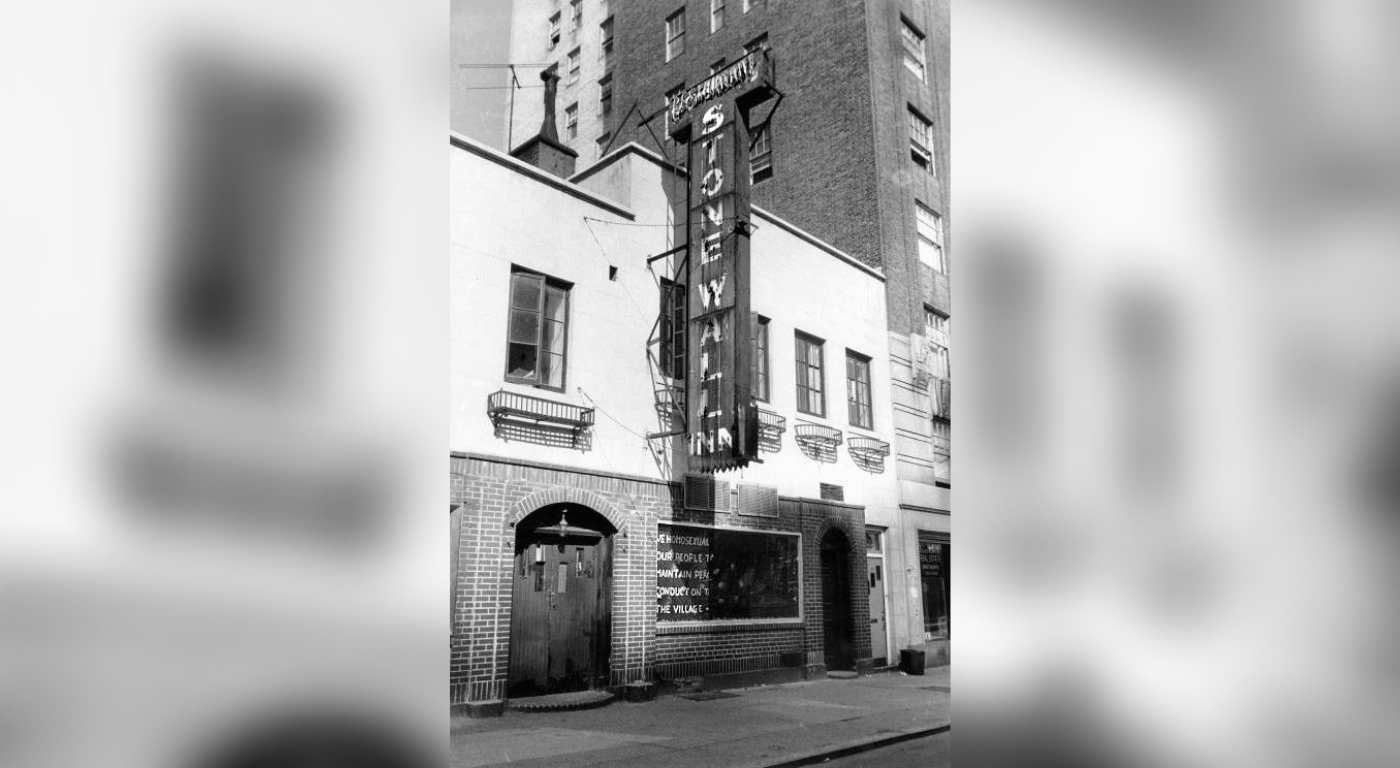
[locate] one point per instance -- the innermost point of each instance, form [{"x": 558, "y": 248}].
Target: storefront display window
[{"x": 933, "y": 572}]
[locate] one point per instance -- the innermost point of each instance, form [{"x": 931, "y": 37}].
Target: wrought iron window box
[
  {"x": 771, "y": 424},
  {"x": 868, "y": 453},
  {"x": 818, "y": 433},
  {"x": 507, "y": 408},
  {"x": 868, "y": 448},
  {"x": 771, "y": 427}
]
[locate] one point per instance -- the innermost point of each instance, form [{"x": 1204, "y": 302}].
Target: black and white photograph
[
  {"x": 672, "y": 306},
  {"x": 701, "y": 392}
]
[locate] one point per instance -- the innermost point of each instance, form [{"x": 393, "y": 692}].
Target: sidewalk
[{"x": 755, "y": 728}]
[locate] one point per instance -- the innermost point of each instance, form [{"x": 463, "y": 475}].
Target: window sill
[
  {"x": 533, "y": 385},
  {"x": 726, "y": 625}
]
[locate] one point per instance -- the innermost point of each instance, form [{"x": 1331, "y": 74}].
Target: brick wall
[
  {"x": 686, "y": 650},
  {"x": 490, "y": 496},
  {"x": 816, "y": 519},
  {"x": 841, "y": 166},
  {"x": 824, "y": 178},
  {"x": 894, "y": 90},
  {"x": 691, "y": 651},
  {"x": 841, "y": 159}
]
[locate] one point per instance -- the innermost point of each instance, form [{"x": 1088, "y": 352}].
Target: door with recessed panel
[
  {"x": 875, "y": 575},
  {"x": 559, "y": 637}
]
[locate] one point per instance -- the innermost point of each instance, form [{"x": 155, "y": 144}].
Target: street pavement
[
  {"x": 923, "y": 752},
  {"x": 759, "y": 727}
]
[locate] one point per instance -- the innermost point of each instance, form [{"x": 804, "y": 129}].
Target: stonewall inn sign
[{"x": 712, "y": 119}]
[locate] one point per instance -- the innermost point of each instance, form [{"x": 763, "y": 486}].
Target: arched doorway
[
  {"x": 561, "y": 601},
  {"x": 836, "y": 601}
]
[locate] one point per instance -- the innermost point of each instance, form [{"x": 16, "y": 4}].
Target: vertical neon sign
[{"x": 722, "y": 422}]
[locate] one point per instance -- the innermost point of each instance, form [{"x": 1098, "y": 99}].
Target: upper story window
[
  {"x": 761, "y": 153},
  {"x": 716, "y": 15},
  {"x": 603, "y": 143},
  {"x": 576, "y": 13},
  {"x": 930, "y": 228},
  {"x": 573, "y": 66},
  {"x": 671, "y": 356},
  {"x": 571, "y": 121},
  {"x": 914, "y": 60},
  {"x": 757, "y": 44},
  {"x": 605, "y": 46},
  {"x": 717, "y": 66},
  {"x": 942, "y": 450},
  {"x": 675, "y": 34},
  {"x": 605, "y": 95},
  {"x": 760, "y": 358},
  {"x": 920, "y": 140},
  {"x": 936, "y": 329},
  {"x": 553, "y": 31},
  {"x": 811, "y": 395},
  {"x": 749, "y": 4},
  {"x": 539, "y": 318},
  {"x": 858, "y": 390}
]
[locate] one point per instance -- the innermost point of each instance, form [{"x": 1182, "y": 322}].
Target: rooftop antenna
[
  {"x": 515, "y": 84},
  {"x": 510, "y": 121}
]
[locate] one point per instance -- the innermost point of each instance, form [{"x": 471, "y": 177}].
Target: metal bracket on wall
[
  {"x": 671, "y": 252},
  {"x": 771, "y": 111}
]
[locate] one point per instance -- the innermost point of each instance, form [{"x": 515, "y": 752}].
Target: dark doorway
[
  {"x": 836, "y": 601},
  {"x": 561, "y": 607}
]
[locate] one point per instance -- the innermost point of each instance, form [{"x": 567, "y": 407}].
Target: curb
[{"x": 852, "y": 748}]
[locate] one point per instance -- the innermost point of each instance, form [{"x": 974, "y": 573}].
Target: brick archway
[
  {"x": 566, "y": 495},
  {"x": 844, "y": 527},
  {"x": 857, "y": 605},
  {"x": 615, "y": 643}
]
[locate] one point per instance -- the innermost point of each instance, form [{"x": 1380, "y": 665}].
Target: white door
[{"x": 875, "y": 578}]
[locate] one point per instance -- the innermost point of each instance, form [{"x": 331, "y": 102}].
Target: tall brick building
[{"x": 855, "y": 153}]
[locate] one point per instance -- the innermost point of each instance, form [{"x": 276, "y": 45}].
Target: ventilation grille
[
  {"x": 707, "y": 493},
  {"x": 833, "y": 492},
  {"x": 758, "y": 500}
]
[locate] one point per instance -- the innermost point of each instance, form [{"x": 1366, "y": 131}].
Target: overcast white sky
[{"x": 480, "y": 35}]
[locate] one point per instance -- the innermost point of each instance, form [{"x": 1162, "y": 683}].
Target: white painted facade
[{"x": 507, "y": 214}]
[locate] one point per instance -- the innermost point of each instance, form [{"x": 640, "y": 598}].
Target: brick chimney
[{"x": 544, "y": 151}]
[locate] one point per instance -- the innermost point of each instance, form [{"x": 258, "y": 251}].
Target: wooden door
[{"x": 557, "y": 638}]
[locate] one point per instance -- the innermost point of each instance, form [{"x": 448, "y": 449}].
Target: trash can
[{"x": 911, "y": 661}]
